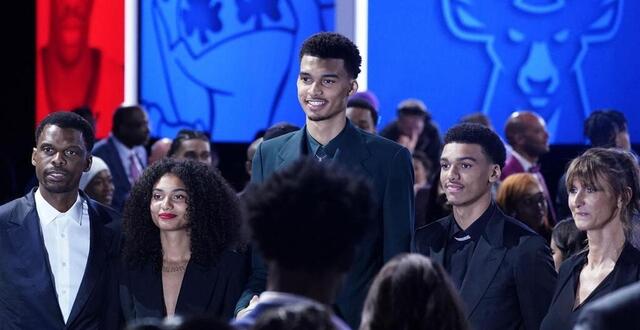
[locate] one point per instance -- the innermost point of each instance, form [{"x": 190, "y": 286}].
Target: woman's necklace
[{"x": 173, "y": 268}]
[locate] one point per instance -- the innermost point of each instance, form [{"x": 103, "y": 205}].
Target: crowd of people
[{"x": 340, "y": 228}]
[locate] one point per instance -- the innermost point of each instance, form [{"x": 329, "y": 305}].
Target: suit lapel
[
  {"x": 436, "y": 251},
  {"x": 292, "y": 149},
  {"x": 118, "y": 171},
  {"x": 197, "y": 289},
  {"x": 485, "y": 262},
  {"x": 28, "y": 242},
  {"x": 96, "y": 260}
]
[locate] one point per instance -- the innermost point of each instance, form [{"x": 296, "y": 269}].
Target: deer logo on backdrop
[{"x": 536, "y": 48}]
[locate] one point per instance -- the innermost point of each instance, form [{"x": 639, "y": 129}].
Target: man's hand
[{"x": 246, "y": 310}]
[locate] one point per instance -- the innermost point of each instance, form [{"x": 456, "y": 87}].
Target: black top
[
  {"x": 331, "y": 148},
  {"x": 206, "y": 290},
  {"x": 461, "y": 245},
  {"x": 562, "y": 314}
]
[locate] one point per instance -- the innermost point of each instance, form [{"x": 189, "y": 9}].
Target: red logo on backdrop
[{"x": 80, "y": 58}]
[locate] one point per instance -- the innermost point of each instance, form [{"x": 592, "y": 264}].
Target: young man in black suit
[
  {"x": 502, "y": 268},
  {"x": 329, "y": 66},
  {"x": 57, "y": 246}
]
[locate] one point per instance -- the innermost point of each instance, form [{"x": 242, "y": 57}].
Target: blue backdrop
[
  {"x": 560, "y": 58},
  {"x": 227, "y": 67}
]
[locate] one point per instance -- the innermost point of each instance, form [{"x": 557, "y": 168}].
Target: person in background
[
  {"x": 422, "y": 171},
  {"x": 415, "y": 129},
  {"x": 412, "y": 292},
  {"x": 124, "y": 150},
  {"x": 159, "y": 150},
  {"x": 362, "y": 110},
  {"x": 97, "y": 182},
  {"x": 604, "y": 190},
  {"x": 566, "y": 241},
  {"x": 181, "y": 240},
  {"x": 521, "y": 196},
  {"x": 193, "y": 145},
  {"x": 303, "y": 316}
]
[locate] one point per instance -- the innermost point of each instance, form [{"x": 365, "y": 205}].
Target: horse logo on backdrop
[
  {"x": 224, "y": 62},
  {"x": 536, "y": 48}
]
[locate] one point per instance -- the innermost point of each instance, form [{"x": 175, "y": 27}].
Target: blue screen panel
[
  {"x": 227, "y": 67},
  {"x": 562, "y": 59}
]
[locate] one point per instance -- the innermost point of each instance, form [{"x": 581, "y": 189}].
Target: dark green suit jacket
[{"x": 389, "y": 167}]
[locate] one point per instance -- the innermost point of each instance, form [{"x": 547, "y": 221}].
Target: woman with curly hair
[{"x": 181, "y": 226}]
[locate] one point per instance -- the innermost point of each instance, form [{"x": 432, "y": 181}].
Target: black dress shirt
[
  {"x": 562, "y": 314},
  {"x": 330, "y": 148},
  {"x": 462, "y": 243}
]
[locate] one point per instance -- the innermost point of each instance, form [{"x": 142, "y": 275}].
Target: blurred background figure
[
  {"x": 362, "y": 110},
  {"x": 604, "y": 129},
  {"x": 521, "y": 196},
  {"x": 412, "y": 292},
  {"x": 85, "y": 112},
  {"x": 422, "y": 168},
  {"x": 159, "y": 150},
  {"x": 477, "y": 118},
  {"x": 191, "y": 144},
  {"x": 124, "y": 150},
  {"x": 303, "y": 316},
  {"x": 415, "y": 130},
  {"x": 181, "y": 236},
  {"x": 97, "y": 182},
  {"x": 566, "y": 241}
]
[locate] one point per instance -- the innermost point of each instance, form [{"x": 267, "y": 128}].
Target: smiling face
[
  {"x": 593, "y": 206},
  {"x": 466, "y": 174},
  {"x": 60, "y": 157},
  {"x": 324, "y": 87},
  {"x": 168, "y": 206}
]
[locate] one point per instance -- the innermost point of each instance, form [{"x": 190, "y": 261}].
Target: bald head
[{"x": 527, "y": 133}]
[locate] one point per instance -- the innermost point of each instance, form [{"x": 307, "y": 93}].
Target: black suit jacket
[
  {"x": 210, "y": 290},
  {"x": 27, "y": 293},
  {"x": 617, "y": 310},
  {"x": 389, "y": 168},
  {"x": 106, "y": 149},
  {"x": 510, "y": 279}
]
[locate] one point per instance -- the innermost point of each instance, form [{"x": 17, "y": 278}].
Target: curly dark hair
[
  {"x": 310, "y": 216},
  {"x": 300, "y": 316},
  {"x": 72, "y": 120},
  {"x": 472, "y": 133},
  {"x": 412, "y": 292},
  {"x": 333, "y": 45},
  {"x": 213, "y": 212}
]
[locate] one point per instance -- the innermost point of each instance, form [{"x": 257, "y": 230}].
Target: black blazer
[
  {"x": 510, "y": 278},
  {"x": 618, "y": 310},
  {"x": 388, "y": 166},
  {"x": 561, "y": 314},
  {"x": 210, "y": 290},
  {"x": 27, "y": 293},
  {"x": 106, "y": 149}
]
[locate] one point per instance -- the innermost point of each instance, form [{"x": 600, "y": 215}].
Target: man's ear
[
  {"x": 89, "y": 161},
  {"x": 33, "y": 156},
  {"x": 495, "y": 173},
  {"x": 354, "y": 87}
]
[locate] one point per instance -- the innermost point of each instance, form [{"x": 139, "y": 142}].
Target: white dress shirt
[{"x": 66, "y": 238}]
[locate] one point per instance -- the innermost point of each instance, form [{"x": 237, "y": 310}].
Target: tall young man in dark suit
[
  {"x": 502, "y": 268},
  {"x": 57, "y": 246},
  {"x": 329, "y": 66}
]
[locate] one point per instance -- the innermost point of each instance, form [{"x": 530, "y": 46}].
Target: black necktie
[{"x": 321, "y": 154}]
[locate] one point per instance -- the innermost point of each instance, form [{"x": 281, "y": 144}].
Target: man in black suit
[
  {"x": 329, "y": 65},
  {"x": 124, "y": 151},
  {"x": 502, "y": 268},
  {"x": 617, "y": 310},
  {"x": 57, "y": 246}
]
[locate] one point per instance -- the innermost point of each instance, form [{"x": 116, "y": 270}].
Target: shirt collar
[
  {"x": 477, "y": 227},
  {"x": 47, "y": 213},
  {"x": 331, "y": 147},
  {"x": 526, "y": 165},
  {"x": 271, "y": 296}
]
